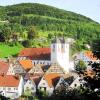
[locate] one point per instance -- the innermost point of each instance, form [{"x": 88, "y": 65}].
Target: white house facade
[
  {"x": 44, "y": 86},
  {"x": 15, "y": 69},
  {"x": 29, "y": 87},
  {"x": 11, "y": 86}
]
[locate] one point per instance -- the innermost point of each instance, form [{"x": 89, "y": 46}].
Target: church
[{"x": 58, "y": 53}]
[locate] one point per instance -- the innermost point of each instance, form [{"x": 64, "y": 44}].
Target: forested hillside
[{"x": 36, "y": 24}]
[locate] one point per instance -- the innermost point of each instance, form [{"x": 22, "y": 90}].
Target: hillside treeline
[{"x": 17, "y": 21}]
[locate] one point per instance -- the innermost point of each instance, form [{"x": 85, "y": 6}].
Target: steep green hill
[{"x": 47, "y": 21}]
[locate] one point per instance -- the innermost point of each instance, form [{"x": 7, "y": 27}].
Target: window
[
  {"x": 32, "y": 88},
  {"x": 43, "y": 83},
  {"x": 16, "y": 94},
  {"x": 40, "y": 62},
  {"x": 62, "y": 46},
  {"x": 47, "y": 63},
  {"x": 53, "y": 48},
  {"x": 29, "y": 82},
  {"x": 15, "y": 89},
  {"x": 9, "y": 88},
  {"x": 3, "y": 88},
  {"x": 75, "y": 85}
]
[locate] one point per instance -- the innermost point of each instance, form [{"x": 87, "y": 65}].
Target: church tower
[{"x": 60, "y": 53}]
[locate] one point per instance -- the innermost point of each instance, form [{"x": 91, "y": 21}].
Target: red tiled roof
[
  {"x": 8, "y": 81},
  {"x": 52, "y": 78},
  {"x": 36, "y": 53},
  {"x": 3, "y": 67},
  {"x": 26, "y": 64},
  {"x": 90, "y": 55},
  {"x": 90, "y": 73},
  {"x": 36, "y": 80}
]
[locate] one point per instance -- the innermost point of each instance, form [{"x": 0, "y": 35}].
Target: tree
[
  {"x": 32, "y": 33},
  {"x": 96, "y": 48},
  {"x": 6, "y": 33},
  {"x": 81, "y": 66},
  {"x": 26, "y": 43},
  {"x": 93, "y": 83}
]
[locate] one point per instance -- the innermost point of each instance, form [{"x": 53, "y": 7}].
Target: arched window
[
  {"x": 62, "y": 48},
  {"x": 53, "y": 49}
]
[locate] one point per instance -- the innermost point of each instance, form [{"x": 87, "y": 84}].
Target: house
[
  {"x": 86, "y": 56},
  {"x": 57, "y": 53},
  {"x": 36, "y": 80},
  {"x": 4, "y": 67},
  {"x": 11, "y": 86},
  {"x": 37, "y": 55},
  {"x": 61, "y": 84},
  {"x": 29, "y": 87},
  {"x": 65, "y": 81},
  {"x": 77, "y": 82},
  {"x": 15, "y": 68},
  {"x": 49, "y": 82},
  {"x": 36, "y": 70}
]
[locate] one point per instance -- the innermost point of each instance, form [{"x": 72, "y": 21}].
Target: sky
[{"x": 89, "y": 8}]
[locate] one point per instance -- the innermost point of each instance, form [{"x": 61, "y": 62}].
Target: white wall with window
[{"x": 44, "y": 62}]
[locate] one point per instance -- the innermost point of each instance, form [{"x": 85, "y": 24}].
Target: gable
[
  {"x": 15, "y": 68},
  {"x": 36, "y": 70},
  {"x": 29, "y": 83},
  {"x": 61, "y": 82},
  {"x": 55, "y": 69},
  {"x": 43, "y": 83}
]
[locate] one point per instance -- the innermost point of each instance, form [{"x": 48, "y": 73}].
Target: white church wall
[{"x": 60, "y": 55}]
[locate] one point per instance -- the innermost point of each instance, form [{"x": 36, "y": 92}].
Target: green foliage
[
  {"x": 96, "y": 48},
  {"x": 37, "y": 20},
  {"x": 74, "y": 94},
  {"x": 42, "y": 94},
  {"x": 26, "y": 43},
  {"x": 81, "y": 66},
  {"x": 8, "y": 50},
  {"x": 32, "y": 33}
]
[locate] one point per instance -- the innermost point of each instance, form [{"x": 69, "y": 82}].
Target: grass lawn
[{"x": 6, "y": 51}]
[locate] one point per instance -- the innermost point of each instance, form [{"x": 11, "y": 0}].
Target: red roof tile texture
[
  {"x": 36, "y": 53},
  {"x": 8, "y": 81},
  {"x": 3, "y": 67},
  {"x": 52, "y": 78},
  {"x": 26, "y": 64},
  {"x": 90, "y": 55}
]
